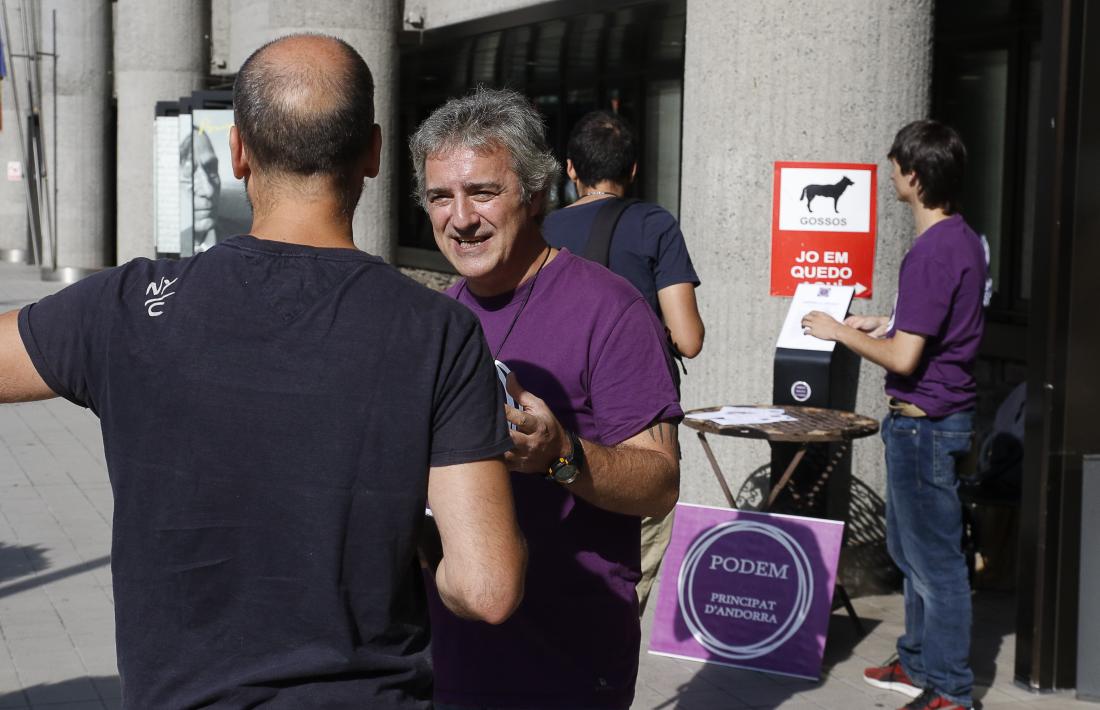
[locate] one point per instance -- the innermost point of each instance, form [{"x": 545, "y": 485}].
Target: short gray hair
[{"x": 484, "y": 119}]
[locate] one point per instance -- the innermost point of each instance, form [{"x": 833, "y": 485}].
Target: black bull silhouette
[{"x": 834, "y": 191}]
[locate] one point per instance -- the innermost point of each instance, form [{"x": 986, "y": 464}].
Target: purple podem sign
[{"x": 747, "y": 589}]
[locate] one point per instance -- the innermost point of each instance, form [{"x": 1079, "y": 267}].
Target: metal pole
[
  {"x": 31, "y": 34},
  {"x": 30, "y": 44},
  {"x": 53, "y": 91},
  {"x": 30, "y": 49},
  {"x": 44, "y": 193},
  {"x": 35, "y": 236},
  {"x": 34, "y": 91}
]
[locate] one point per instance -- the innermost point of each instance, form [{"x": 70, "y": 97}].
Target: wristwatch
[{"x": 566, "y": 468}]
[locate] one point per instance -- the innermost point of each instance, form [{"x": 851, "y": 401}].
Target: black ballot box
[{"x": 821, "y": 483}]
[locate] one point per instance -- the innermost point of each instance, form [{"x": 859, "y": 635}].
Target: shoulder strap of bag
[{"x": 603, "y": 228}]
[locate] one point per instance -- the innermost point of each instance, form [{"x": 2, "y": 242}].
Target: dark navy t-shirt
[
  {"x": 647, "y": 249},
  {"x": 269, "y": 414}
]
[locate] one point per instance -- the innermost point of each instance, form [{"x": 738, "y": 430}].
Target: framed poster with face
[{"x": 219, "y": 205}]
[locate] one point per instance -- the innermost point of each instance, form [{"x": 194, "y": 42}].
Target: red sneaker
[
  {"x": 931, "y": 700},
  {"x": 892, "y": 677}
]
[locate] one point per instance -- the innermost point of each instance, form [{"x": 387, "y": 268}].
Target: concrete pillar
[
  {"x": 371, "y": 27},
  {"x": 83, "y": 176},
  {"x": 160, "y": 55},
  {"x": 14, "y": 244},
  {"x": 767, "y": 81}
]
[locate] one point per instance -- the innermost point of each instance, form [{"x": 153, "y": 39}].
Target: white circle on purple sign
[
  {"x": 799, "y": 610},
  {"x": 801, "y": 391}
]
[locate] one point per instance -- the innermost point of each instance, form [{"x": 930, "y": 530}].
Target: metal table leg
[
  {"x": 847, "y": 602},
  {"x": 717, "y": 470},
  {"x": 786, "y": 477}
]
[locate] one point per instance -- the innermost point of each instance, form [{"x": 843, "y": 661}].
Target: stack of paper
[{"x": 739, "y": 416}]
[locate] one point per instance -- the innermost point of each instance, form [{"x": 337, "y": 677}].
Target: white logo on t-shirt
[{"x": 155, "y": 305}]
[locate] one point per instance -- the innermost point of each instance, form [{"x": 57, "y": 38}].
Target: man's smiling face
[{"x": 480, "y": 221}]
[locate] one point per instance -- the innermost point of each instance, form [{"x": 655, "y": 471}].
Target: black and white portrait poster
[{"x": 219, "y": 206}]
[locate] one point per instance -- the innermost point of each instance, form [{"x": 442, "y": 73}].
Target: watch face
[{"x": 566, "y": 473}]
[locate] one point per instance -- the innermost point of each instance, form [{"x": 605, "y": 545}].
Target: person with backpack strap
[{"x": 639, "y": 241}]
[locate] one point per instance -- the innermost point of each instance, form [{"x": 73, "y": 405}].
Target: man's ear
[
  {"x": 374, "y": 153},
  {"x": 238, "y": 155},
  {"x": 570, "y": 170},
  {"x": 918, "y": 189}
]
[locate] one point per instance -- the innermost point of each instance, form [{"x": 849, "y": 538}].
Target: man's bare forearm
[
  {"x": 475, "y": 597},
  {"x": 481, "y": 556},
  {"x": 640, "y": 476},
  {"x": 899, "y": 354}
]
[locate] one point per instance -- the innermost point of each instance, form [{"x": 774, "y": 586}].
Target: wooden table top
[{"x": 811, "y": 425}]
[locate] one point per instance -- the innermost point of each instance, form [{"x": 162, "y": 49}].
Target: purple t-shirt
[
  {"x": 940, "y": 292},
  {"x": 589, "y": 345}
]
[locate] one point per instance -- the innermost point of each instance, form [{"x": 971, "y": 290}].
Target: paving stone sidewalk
[{"x": 57, "y": 616}]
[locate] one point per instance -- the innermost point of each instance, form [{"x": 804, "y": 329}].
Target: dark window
[
  {"x": 627, "y": 57},
  {"x": 986, "y": 85}
]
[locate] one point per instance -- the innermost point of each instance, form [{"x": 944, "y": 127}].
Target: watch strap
[{"x": 574, "y": 460}]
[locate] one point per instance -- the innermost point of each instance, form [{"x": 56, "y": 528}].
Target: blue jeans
[{"x": 924, "y": 535}]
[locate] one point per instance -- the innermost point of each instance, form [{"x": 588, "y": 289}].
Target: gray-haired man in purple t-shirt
[
  {"x": 594, "y": 445},
  {"x": 928, "y": 349}
]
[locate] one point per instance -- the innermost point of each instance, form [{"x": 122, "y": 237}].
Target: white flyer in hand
[
  {"x": 502, "y": 375},
  {"x": 833, "y": 300}
]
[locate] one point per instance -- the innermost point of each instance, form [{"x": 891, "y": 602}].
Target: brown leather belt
[{"x": 905, "y": 409}]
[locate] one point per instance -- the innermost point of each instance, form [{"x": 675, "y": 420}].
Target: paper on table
[
  {"x": 833, "y": 300},
  {"x": 737, "y": 416}
]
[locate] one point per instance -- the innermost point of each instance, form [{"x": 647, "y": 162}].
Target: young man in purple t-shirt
[{"x": 928, "y": 348}]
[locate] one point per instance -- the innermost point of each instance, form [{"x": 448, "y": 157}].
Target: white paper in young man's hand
[{"x": 833, "y": 300}]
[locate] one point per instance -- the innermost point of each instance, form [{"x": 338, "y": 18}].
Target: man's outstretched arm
[
  {"x": 899, "y": 354},
  {"x": 19, "y": 380},
  {"x": 484, "y": 557}
]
